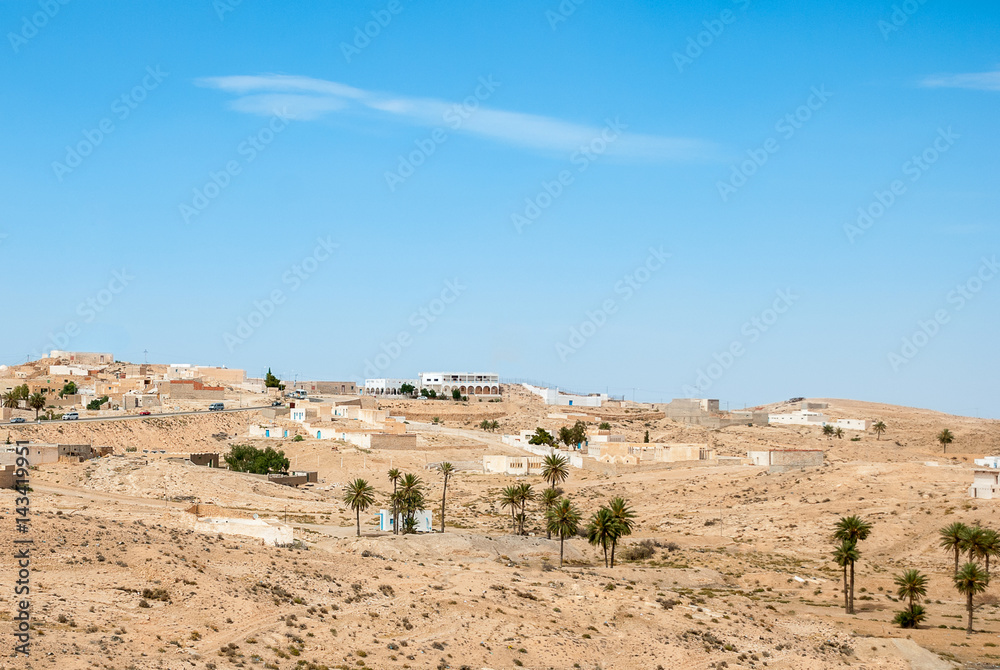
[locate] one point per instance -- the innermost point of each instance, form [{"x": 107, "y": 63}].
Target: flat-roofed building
[{"x": 467, "y": 383}]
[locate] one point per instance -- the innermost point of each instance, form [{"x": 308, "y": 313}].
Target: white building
[
  {"x": 513, "y": 465},
  {"x": 798, "y": 418},
  {"x": 808, "y": 418},
  {"x": 68, "y": 371},
  {"x": 467, "y": 383},
  {"x": 989, "y": 462},
  {"x": 181, "y": 371},
  {"x": 388, "y": 386},
  {"x": 985, "y": 483},
  {"x": 422, "y": 517},
  {"x": 269, "y": 530},
  {"x": 557, "y": 397}
]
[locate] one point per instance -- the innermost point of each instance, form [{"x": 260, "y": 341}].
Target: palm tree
[
  {"x": 564, "y": 520},
  {"x": 601, "y": 530},
  {"x": 839, "y": 432},
  {"x": 411, "y": 499},
  {"x": 359, "y": 496},
  {"x": 828, "y": 430},
  {"x": 976, "y": 541},
  {"x": 912, "y": 586},
  {"x": 10, "y": 399},
  {"x": 36, "y": 402},
  {"x": 879, "y": 428},
  {"x": 945, "y": 438},
  {"x": 970, "y": 581},
  {"x": 991, "y": 547},
  {"x": 623, "y": 516},
  {"x": 446, "y": 469},
  {"x": 845, "y": 554},
  {"x": 555, "y": 469},
  {"x": 856, "y": 529},
  {"x": 953, "y": 539},
  {"x": 509, "y": 498},
  {"x": 524, "y": 495},
  {"x": 394, "y": 476},
  {"x": 549, "y": 499}
]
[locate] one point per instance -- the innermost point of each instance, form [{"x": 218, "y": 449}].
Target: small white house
[
  {"x": 556, "y": 397},
  {"x": 268, "y": 431},
  {"x": 989, "y": 462},
  {"x": 985, "y": 483},
  {"x": 297, "y": 414},
  {"x": 422, "y": 517}
]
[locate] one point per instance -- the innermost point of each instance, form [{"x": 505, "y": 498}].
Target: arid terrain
[{"x": 741, "y": 575}]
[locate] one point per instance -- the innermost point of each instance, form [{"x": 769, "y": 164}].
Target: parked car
[
  {"x": 216, "y": 407},
  {"x": 70, "y": 416},
  {"x": 277, "y": 403},
  {"x": 17, "y": 419},
  {"x": 144, "y": 412}
]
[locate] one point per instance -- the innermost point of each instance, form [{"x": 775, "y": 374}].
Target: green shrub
[{"x": 911, "y": 617}]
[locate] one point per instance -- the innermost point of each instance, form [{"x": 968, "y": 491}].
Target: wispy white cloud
[
  {"x": 306, "y": 98},
  {"x": 980, "y": 81}
]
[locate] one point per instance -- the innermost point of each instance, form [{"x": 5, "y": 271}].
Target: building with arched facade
[
  {"x": 467, "y": 383},
  {"x": 388, "y": 387}
]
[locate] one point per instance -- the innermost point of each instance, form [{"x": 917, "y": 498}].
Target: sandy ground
[{"x": 742, "y": 576}]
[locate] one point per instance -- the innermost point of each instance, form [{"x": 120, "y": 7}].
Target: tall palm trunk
[
  {"x": 395, "y": 510},
  {"x": 443, "y": 497},
  {"x": 847, "y": 604},
  {"x": 968, "y": 606},
  {"x": 614, "y": 544},
  {"x": 358, "y": 512},
  {"x": 561, "y": 564},
  {"x": 957, "y": 552},
  {"x": 605, "y": 554},
  {"x": 851, "y": 610}
]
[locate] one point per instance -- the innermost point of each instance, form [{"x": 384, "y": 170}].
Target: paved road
[{"x": 128, "y": 417}]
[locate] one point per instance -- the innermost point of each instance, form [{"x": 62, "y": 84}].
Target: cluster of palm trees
[
  {"x": 515, "y": 498},
  {"x": 555, "y": 470},
  {"x": 980, "y": 543},
  {"x": 491, "y": 426},
  {"x": 608, "y": 525},
  {"x": 604, "y": 529},
  {"x": 407, "y": 498},
  {"x": 829, "y": 430},
  {"x": 847, "y": 533},
  {"x": 969, "y": 579},
  {"x": 13, "y": 398}
]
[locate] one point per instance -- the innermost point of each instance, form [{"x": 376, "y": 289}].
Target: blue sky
[{"x": 621, "y": 190}]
